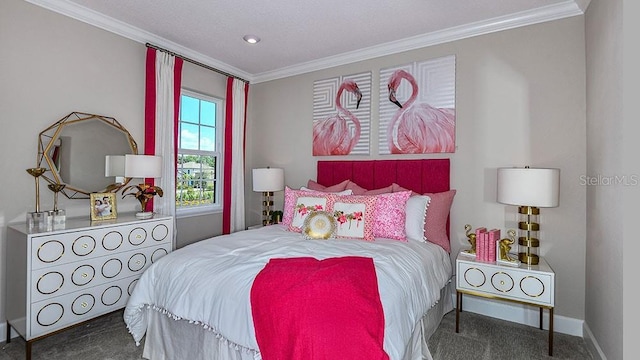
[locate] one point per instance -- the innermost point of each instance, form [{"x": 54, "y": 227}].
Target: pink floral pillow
[
  {"x": 290, "y": 202},
  {"x": 333, "y": 188},
  {"x": 355, "y": 216},
  {"x": 358, "y": 190},
  {"x": 390, "y": 215}
]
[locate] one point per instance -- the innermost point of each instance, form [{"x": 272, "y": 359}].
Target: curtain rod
[{"x": 196, "y": 62}]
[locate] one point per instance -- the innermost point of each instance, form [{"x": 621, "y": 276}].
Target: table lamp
[
  {"x": 529, "y": 189},
  {"x": 267, "y": 180},
  {"x": 144, "y": 167}
]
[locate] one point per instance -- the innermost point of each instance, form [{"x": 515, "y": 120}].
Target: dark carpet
[{"x": 480, "y": 337}]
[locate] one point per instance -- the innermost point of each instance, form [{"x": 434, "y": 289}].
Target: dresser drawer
[
  {"x": 62, "y": 248},
  {"x": 59, "y": 312},
  {"x": 507, "y": 283},
  {"x": 71, "y": 277}
]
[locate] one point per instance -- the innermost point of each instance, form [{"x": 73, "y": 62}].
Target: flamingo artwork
[
  {"x": 418, "y": 128},
  {"x": 332, "y": 135}
]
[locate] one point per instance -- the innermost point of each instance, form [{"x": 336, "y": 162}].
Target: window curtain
[
  {"x": 162, "y": 104},
  {"x": 234, "y": 152}
]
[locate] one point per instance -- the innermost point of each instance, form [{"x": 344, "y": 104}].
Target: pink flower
[
  {"x": 342, "y": 219},
  {"x": 318, "y": 207}
]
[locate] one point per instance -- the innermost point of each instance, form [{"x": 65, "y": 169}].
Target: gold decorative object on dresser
[
  {"x": 526, "y": 284},
  {"x": 63, "y": 278}
]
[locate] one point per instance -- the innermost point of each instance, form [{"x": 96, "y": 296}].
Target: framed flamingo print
[
  {"x": 417, "y": 107},
  {"x": 342, "y": 115}
]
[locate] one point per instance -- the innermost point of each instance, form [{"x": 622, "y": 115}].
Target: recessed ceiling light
[{"x": 251, "y": 39}]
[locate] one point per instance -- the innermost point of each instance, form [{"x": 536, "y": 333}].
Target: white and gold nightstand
[{"x": 526, "y": 284}]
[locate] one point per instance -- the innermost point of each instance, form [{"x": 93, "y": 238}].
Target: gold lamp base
[{"x": 528, "y": 244}]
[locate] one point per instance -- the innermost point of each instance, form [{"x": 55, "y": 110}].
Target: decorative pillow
[
  {"x": 358, "y": 190},
  {"x": 333, "y": 188},
  {"x": 416, "y": 215},
  {"x": 355, "y": 216},
  {"x": 305, "y": 206},
  {"x": 319, "y": 225},
  {"x": 397, "y": 188},
  {"x": 343, "y": 192},
  {"x": 290, "y": 199},
  {"x": 390, "y": 215},
  {"x": 435, "y": 227}
]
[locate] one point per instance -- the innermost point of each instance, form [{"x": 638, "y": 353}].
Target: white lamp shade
[
  {"x": 142, "y": 166},
  {"x": 268, "y": 179},
  {"x": 529, "y": 187},
  {"x": 114, "y": 165}
]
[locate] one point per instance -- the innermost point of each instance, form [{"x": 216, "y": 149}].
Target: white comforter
[{"x": 209, "y": 282}]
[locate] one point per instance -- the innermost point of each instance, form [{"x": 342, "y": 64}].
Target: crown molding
[
  {"x": 123, "y": 29},
  {"x": 536, "y": 16},
  {"x": 566, "y": 9}
]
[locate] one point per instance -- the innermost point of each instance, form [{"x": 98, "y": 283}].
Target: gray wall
[
  {"x": 520, "y": 100},
  {"x": 605, "y": 200},
  {"x": 53, "y": 65}
]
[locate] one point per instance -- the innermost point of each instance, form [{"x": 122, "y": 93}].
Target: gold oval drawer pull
[
  {"x": 84, "y": 275},
  {"x": 84, "y": 304},
  {"x": 85, "y": 245},
  {"x": 138, "y": 236}
]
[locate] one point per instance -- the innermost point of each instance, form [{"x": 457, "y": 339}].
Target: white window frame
[{"x": 219, "y": 126}]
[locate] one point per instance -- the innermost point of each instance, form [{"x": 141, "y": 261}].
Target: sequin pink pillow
[
  {"x": 390, "y": 215},
  {"x": 355, "y": 216},
  {"x": 435, "y": 226},
  {"x": 290, "y": 200}
]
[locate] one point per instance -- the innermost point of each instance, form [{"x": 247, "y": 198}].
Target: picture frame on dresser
[{"x": 103, "y": 206}]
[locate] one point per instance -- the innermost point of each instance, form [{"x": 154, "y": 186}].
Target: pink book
[
  {"x": 481, "y": 244},
  {"x": 494, "y": 236}
]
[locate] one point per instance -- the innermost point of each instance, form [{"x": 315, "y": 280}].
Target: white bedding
[{"x": 209, "y": 282}]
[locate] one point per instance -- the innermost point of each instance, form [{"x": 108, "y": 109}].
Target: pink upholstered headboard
[{"x": 421, "y": 176}]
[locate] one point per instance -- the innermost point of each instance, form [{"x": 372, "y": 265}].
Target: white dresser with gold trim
[{"x": 60, "y": 278}]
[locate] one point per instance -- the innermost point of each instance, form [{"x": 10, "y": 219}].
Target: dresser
[
  {"x": 526, "y": 284},
  {"x": 61, "y": 278}
]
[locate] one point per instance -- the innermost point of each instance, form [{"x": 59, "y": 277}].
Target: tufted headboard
[{"x": 421, "y": 176}]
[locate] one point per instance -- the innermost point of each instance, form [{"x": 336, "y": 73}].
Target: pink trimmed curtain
[
  {"x": 234, "y": 153},
  {"x": 162, "y": 105}
]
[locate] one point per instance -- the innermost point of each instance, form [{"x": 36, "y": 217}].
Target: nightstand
[{"x": 526, "y": 284}]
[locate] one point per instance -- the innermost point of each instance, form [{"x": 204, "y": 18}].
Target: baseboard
[
  {"x": 592, "y": 344},
  {"x": 520, "y": 313}
]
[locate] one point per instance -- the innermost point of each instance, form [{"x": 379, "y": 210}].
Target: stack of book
[{"x": 486, "y": 242}]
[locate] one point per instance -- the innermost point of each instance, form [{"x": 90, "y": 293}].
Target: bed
[{"x": 196, "y": 302}]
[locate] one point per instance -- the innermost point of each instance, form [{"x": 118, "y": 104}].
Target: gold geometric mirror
[{"x": 74, "y": 148}]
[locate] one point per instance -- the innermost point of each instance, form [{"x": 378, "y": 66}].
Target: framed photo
[{"x": 103, "y": 206}]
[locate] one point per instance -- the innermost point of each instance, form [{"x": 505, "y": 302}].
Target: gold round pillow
[{"x": 319, "y": 225}]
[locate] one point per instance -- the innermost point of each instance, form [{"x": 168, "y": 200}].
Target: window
[{"x": 199, "y": 180}]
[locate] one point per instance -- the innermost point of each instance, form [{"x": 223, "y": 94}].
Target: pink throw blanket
[{"x": 309, "y": 309}]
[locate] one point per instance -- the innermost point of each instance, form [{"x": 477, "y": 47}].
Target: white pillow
[
  {"x": 344, "y": 192},
  {"x": 416, "y": 215}
]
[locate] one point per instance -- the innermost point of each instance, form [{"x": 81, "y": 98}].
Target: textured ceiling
[{"x": 303, "y": 35}]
